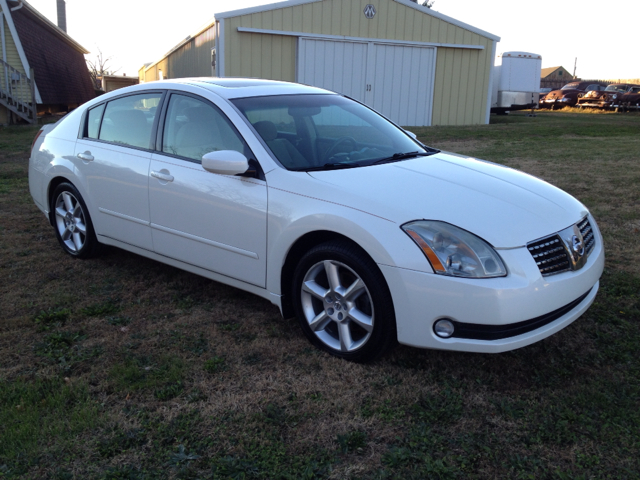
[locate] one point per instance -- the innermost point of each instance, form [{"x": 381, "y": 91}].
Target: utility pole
[{"x": 575, "y": 64}]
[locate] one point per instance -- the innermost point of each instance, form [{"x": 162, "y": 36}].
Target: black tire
[
  {"x": 72, "y": 223},
  {"x": 358, "y": 326}
]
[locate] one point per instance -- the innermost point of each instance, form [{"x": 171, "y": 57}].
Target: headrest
[
  {"x": 267, "y": 130},
  {"x": 127, "y": 117},
  {"x": 199, "y": 114}
]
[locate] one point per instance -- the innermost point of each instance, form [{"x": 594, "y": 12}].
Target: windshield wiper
[
  {"x": 329, "y": 166},
  {"x": 396, "y": 157}
]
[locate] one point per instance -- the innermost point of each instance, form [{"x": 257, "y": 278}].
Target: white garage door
[
  {"x": 337, "y": 66},
  {"x": 396, "y": 80}
]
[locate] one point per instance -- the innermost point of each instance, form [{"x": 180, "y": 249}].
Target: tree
[
  {"x": 426, "y": 3},
  {"x": 99, "y": 68}
]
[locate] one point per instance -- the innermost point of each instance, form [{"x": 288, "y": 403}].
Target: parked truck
[{"x": 516, "y": 82}]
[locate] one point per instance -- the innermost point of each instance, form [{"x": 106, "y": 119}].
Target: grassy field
[{"x": 123, "y": 368}]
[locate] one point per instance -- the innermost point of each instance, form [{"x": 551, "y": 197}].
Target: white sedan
[{"x": 325, "y": 208}]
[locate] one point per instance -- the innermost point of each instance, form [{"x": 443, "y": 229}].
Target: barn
[
  {"x": 42, "y": 69},
  {"x": 410, "y": 63}
]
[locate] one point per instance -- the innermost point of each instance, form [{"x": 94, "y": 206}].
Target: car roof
[
  {"x": 227, "y": 88},
  {"x": 243, "y": 87}
]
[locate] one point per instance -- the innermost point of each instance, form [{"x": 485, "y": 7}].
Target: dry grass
[{"x": 162, "y": 374}]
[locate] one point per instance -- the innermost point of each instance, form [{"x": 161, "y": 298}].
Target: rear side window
[{"x": 129, "y": 120}]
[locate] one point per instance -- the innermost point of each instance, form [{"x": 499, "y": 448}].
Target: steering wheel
[{"x": 347, "y": 142}]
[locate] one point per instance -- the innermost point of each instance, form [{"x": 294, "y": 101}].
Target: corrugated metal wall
[
  {"x": 461, "y": 83},
  {"x": 194, "y": 56},
  {"x": 462, "y": 75},
  {"x": 193, "y": 59}
]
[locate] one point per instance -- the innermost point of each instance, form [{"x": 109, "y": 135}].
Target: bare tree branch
[{"x": 99, "y": 68}]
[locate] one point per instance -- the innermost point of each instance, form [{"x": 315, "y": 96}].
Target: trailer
[{"x": 516, "y": 82}]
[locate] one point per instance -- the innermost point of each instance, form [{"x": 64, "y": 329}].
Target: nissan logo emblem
[{"x": 577, "y": 245}]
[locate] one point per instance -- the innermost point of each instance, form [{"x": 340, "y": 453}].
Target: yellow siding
[
  {"x": 462, "y": 75},
  {"x": 13, "y": 58},
  {"x": 21, "y": 90},
  {"x": 153, "y": 72}
]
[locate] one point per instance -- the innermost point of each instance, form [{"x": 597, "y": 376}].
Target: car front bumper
[
  {"x": 504, "y": 304},
  {"x": 594, "y": 104}
]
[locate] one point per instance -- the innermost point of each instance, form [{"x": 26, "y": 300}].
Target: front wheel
[
  {"x": 72, "y": 224},
  {"x": 343, "y": 303}
]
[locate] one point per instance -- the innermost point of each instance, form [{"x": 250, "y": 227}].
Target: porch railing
[{"x": 17, "y": 92}]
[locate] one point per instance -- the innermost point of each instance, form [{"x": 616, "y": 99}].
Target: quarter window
[
  {"x": 93, "y": 122},
  {"x": 129, "y": 120},
  {"x": 194, "y": 128}
]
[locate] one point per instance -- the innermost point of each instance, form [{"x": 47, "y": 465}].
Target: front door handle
[
  {"x": 86, "y": 156},
  {"x": 162, "y": 175}
]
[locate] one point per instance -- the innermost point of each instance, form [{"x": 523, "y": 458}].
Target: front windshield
[
  {"x": 616, "y": 88},
  {"x": 571, "y": 86},
  {"x": 315, "y": 132}
]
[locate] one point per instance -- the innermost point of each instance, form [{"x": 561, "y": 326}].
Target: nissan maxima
[{"x": 323, "y": 207}]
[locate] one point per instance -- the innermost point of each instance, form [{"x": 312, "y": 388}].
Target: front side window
[
  {"x": 308, "y": 132},
  {"x": 616, "y": 88},
  {"x": 129, "y": 120},
  {"x": 194, "y": 128}
]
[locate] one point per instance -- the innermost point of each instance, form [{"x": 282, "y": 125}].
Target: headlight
[{"x": 453, "y": 251}]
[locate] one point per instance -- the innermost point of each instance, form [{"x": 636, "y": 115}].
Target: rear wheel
[
  {"x": 343, "y": 303},
  {"x": 72, "y": 223}
]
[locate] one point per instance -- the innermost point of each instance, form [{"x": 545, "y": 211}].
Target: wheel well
[
  {"x": 53, "y": 184},
  {"x": 299, "y": 248}
]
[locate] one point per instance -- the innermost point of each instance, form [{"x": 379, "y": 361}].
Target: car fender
[
  {"x": 63, "y": 167},
  {"x": 383, "y": 240}
]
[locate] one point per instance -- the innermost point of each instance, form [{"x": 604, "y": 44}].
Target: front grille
[
  {"x": 588, "y": 238},
  {"x": 550, "y": 255}
]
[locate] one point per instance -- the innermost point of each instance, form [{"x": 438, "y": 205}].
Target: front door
[{"x": 216, "y": 222}]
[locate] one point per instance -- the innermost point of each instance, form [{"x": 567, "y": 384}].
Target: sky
[{"x": 133, "y": 32}]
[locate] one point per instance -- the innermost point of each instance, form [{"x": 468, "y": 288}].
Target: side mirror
[
  {"x": 411, "y": 134},
  {"x": 225, "y": 162}
]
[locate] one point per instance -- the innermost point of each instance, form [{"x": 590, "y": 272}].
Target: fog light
[{"x": 443, "y": 328}]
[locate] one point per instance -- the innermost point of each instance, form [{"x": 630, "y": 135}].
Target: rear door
[{"x": 114, "y": 154}]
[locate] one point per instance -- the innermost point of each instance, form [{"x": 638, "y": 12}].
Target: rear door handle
[
  {"x": 86, "y": 156},
  {"x": 165, "y": 177}
]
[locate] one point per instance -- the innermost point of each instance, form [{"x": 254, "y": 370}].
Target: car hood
[
  {"x": 561, "y": 93},
  {"x": 505, "y": 207}
]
